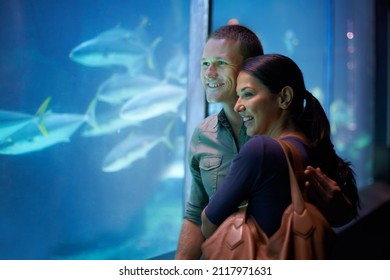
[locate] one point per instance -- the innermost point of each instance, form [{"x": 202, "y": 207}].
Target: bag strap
[{"x": 296, "y": 195}]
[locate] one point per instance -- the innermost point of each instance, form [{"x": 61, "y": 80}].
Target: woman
[{"x": 274, "y": 104}]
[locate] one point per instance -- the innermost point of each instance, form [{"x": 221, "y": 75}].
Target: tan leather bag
[{"x": 304, "y": 232}]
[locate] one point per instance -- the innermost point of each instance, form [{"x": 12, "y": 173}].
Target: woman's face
[{"x": 258, "y": 107}]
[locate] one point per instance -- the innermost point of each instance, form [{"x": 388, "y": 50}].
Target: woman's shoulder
[
  {"x": 295, "y": 140},
  {"x": 268, "y": 146},
  {"x": 262, "y": 140},
  {"x": 301, "y": 145},
  {"x": 260, "y": 144}
]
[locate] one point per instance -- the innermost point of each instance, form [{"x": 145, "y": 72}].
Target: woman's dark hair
[{"x": 277, "y": 71}]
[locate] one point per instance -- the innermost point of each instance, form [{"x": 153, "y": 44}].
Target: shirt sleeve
[
  {"x": 198, "y": 197},
  {"x": 237, "y": 185}
]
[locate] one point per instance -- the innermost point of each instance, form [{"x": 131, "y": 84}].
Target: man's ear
[{"x": 286, "y": 96}]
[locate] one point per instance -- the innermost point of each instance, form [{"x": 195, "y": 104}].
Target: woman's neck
[{"x": 286, "y": 130}]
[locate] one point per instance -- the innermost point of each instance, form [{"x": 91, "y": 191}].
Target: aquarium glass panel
[
  {"x": 92, "y": 107},
  {"x": 332, "y": 42}
]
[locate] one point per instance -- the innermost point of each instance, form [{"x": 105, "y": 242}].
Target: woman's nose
[{"x": 239, "y": 107}]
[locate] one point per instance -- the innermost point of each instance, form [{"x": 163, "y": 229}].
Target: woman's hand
[{"x": 328, "y": 196}]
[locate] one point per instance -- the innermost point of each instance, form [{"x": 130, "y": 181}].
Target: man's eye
[
  {"x": 205, "y": 63},
  {"x": 221, "y": 62}
]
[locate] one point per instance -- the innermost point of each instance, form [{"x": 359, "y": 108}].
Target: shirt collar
[{"x": 222, "y": 120}]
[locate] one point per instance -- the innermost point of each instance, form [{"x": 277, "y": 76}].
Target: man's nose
[{"x": 211, "y": 71}]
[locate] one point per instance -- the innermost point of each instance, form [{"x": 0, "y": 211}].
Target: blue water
[{"x": 57, "y": 202}]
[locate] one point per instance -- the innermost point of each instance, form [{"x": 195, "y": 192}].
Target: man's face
[{"x": 219, "y": 70}]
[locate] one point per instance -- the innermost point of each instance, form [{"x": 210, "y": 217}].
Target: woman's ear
[{"x": 285, "y": 97}]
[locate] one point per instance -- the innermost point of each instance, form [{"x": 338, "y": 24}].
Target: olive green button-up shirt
[{"x": 210, "y": 155}]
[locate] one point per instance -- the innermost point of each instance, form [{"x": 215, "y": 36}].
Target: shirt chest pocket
[{"x": 209, "y": 169}]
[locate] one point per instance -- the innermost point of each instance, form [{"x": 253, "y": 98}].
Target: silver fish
[
  {"x": 157, "y": 101},
  {"x": 59, "y": 127},
  {"x": 10, "y": 122},
  {"x": 121, "y": 87},
  {"x": 116, "y": 47},
  {"x": 132, "y": 149}
]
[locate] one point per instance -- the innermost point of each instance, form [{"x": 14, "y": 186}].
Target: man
[{"x": 219, "y": 137}]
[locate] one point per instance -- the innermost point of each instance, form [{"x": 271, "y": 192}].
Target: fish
[
  {"x": 121, "y": 87},
  {"x": 117, "y": 46},
  {"x": 176, "y": 69},
  {"x": 45, "y": 130},
  {"x": 59, "y": 127},
  {"x": 107, "y": 123},
  {"x": 132, "y": 149},
  {"x": 11, "y": 121},
  {"x": 155, "y": 102}
]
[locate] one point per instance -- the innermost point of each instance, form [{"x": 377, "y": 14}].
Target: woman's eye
[{"x": 247, "y": 94}]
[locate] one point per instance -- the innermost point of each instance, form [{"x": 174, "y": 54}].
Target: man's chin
[{"x": 213, "y": 98}]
